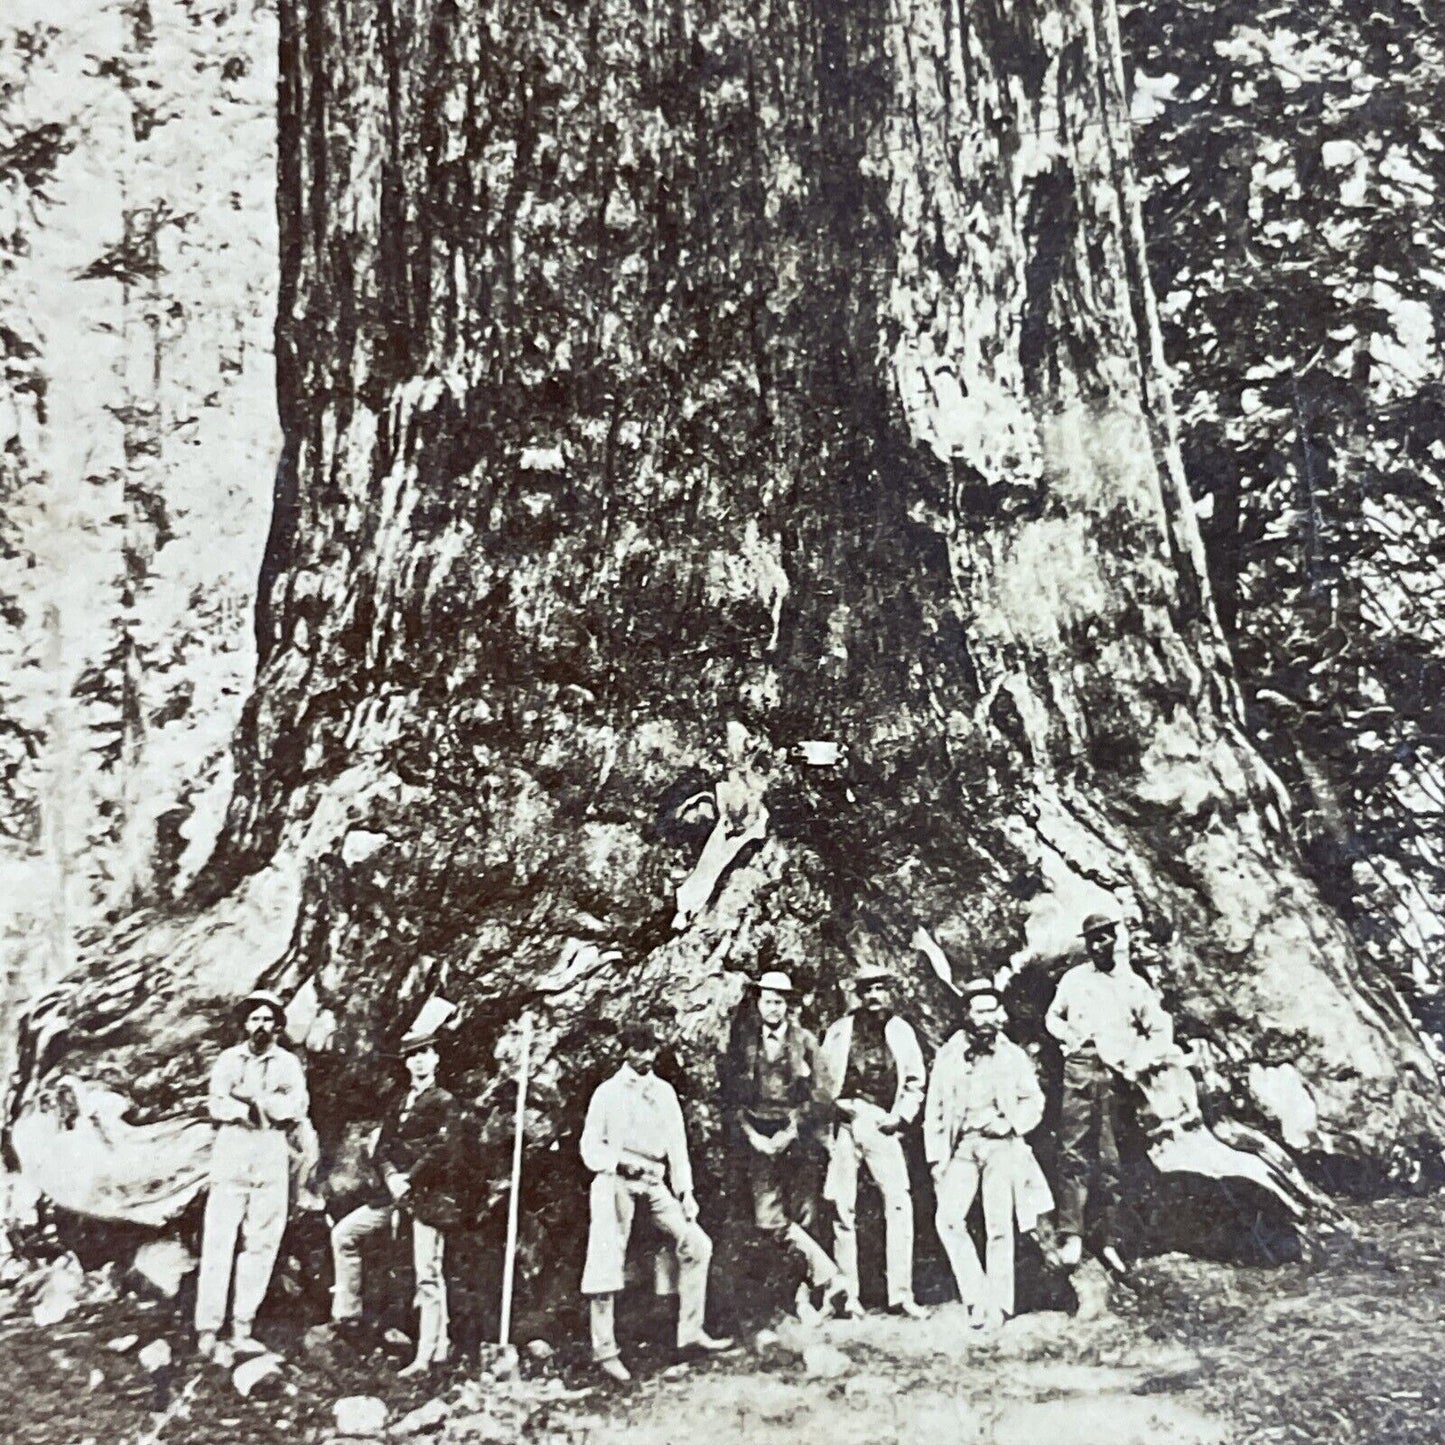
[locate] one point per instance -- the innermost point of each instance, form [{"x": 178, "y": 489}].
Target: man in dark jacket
[
  {"x": 770, "y": 1087},
  {"x": 416, "y": 1175}
]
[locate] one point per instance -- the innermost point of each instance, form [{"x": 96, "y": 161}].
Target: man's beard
[{"x": 262, "y": 1036}]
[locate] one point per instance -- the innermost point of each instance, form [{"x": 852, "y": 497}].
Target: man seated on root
[
  {"x": 771, "y": 1089},
  {"x": 257, "y": 1095},
  {"x": 1103, "y": 1016},
  {"x": 635, "y": 1144},
  {"x": 873, "y": 1074},
  {"x": 983, "y": 1099},
  {"x": 417, "y": 1168}
]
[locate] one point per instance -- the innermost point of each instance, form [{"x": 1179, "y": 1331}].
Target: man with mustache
[
  {"x": 1101, "y": 1014},
  {"x": 257, "y": 1094},
  {"x": 873, "y": 1071},
  {"x": 983, "y": 1098}
]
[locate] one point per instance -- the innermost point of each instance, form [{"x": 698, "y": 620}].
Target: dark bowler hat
[
  {"x": 981, "y": 988},
  {"x": 426, "y": 1028},
  {"x": 1098, "y": 923},
  {"x": 413, "y": 1042},
  {"x": 263, "y": 997}
]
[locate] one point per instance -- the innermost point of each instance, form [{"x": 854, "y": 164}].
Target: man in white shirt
[
  {"x": 983, "y": 1098},
  {"x": 257, "y": 1093},
  {"x": 1105, "y": 1018},
  {"x": 635, "y": 1144},
  {"x": 873, "y": 1074}
]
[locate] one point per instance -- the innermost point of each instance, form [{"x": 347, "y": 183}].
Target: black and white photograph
[{"x": 722, "y": 723}]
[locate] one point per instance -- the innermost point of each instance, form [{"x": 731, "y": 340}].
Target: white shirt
[
  {"x": 995, "y": 1093},
  {"x": 637, "y": 1118},
  {"x": 276, "y": 1081},
  {"x": 1115, "y": 1013}
]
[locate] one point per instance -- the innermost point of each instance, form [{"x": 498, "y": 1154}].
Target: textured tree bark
[{"x": 664, "y": 386}]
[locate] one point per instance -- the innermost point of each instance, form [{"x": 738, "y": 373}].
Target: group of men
[
  {"x": 258, "y": 1099},
  {"x": 845, "y": 1102},
  {"x": 850, "y": 1099}
]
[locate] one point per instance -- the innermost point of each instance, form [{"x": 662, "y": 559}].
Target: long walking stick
[{"x": 509, "y": 1263}]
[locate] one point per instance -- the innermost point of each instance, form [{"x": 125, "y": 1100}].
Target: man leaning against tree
[{"x": 1101, "y": 1014}]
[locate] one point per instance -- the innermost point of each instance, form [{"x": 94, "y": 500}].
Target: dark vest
[
  {"x": 871, "y": 1073},
  {"x": 772, "y": 1089}
]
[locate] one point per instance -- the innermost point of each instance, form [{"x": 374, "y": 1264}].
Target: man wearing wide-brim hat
[
  {"x": 772, "y": 1089},
  {"x": 257, "y": 1095},
  {"x": 417, "y": 1166},
  {"x": 1102, "y": 1014},
  {"x": 873, "y": 1077}
]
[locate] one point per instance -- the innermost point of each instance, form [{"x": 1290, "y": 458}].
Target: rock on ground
[
  {"x": 258, "y": 1378},
  {"x": 362, "y": 1415},
  {"x": 423, "y": 1420},
  {"x": 155, "y": 1356},
  {"x": 164, "y": 1263}
]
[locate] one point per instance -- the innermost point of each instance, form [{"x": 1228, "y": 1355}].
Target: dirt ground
[{"x": 1344, "y": 1347}]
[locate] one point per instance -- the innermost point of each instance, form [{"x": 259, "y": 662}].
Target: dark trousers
[{"x": 1088, "y": 1143}]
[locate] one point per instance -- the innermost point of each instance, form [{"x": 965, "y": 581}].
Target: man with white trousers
[
  {"x": 635, "y": 1144},
  {"x": 873, "y": 1072},
  {"x": 257, "y": 1094},
  {"x": 983, "y": 1099}
]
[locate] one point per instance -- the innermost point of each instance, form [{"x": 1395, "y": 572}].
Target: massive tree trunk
[{"x": 667, "y": 385}]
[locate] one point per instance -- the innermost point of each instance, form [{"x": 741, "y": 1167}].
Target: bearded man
[
  {"x": 257, "y": 1096},
  {"x": 983, "y": 1099}
]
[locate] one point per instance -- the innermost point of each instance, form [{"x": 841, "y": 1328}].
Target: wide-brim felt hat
[
  {"x": 1098, "y": 923},
  {"x": 436, "y": 1014},
  {"x": 260, "y": 997},
  {"x": 774, "y": 981},
  {"x": 414, "y": 1043}
]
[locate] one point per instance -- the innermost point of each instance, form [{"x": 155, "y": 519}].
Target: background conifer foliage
[{"x": 1293, "y": 158}]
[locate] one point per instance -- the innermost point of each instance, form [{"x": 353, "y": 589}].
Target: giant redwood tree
[{"x": 667, "y": 384}]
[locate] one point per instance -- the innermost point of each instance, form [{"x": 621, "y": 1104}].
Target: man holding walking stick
[{"x": 635, "y": 1144}]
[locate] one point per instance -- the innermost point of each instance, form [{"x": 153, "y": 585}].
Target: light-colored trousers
[
  {"x": 986, "y": 1162},
  {"x": 428, "y": 1256},
  {"x": 614, "y": 1202},
  {"x": 859, "y": 1142},
  {"x": 256, "y": 1214}
]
